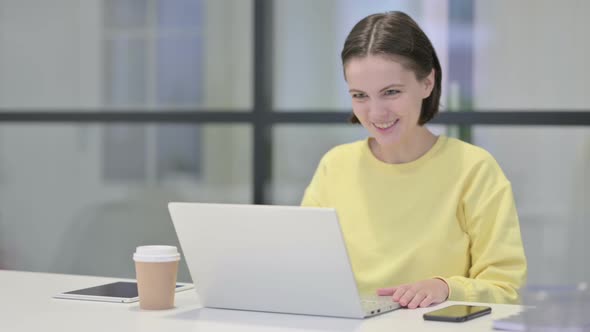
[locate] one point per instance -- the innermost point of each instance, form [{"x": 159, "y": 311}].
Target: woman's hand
[{"x": 419, "y": 294}]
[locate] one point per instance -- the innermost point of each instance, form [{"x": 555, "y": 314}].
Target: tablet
[{"x": 122, "y": 292}]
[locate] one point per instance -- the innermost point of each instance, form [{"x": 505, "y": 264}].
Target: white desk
[{"x": 26, "y": 305}]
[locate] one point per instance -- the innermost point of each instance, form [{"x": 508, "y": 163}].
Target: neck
[{"x": 406, "y": 150}]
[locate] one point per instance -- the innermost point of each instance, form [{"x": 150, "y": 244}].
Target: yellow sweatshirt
[{"x": 448, "y": 214}]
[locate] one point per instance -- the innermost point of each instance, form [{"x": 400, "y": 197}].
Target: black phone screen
[{"x": 457, "y": 313}]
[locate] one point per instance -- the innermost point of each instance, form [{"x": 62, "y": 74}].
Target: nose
[{"x": 378, "y": 109}]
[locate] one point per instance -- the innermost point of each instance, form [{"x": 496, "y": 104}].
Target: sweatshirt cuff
[{"x": 457, "y": 290}]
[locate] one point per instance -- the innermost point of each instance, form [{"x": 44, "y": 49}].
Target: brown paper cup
[{"x": 156, "y": 277}]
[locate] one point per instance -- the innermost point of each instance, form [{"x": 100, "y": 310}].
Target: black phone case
[{"x": 457, "y": 319}]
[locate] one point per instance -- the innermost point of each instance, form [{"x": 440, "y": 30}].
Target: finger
[
  {"x": 427, "y": 301},
  {"x": 386, "y": 291},
  {"x": 407, "y": 297},
  {"x": 418, "y": 298},
  {"x": 399, "y": 292}
]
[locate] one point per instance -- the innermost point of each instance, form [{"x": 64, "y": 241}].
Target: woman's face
[{"x": 386, "y": 97}]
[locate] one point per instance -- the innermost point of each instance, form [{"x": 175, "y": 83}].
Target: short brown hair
[{"x": 397, "y": 34}]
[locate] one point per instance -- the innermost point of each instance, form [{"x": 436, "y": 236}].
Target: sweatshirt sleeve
[{"x": 498, "y": 264}]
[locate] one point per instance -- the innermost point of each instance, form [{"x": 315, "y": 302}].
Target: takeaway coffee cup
[{"x": 156, "y": 268}]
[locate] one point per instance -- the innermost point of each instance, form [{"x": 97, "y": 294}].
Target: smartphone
[
  {"x": 457, "y": 313},
  {"x": 122, "y": 292}
]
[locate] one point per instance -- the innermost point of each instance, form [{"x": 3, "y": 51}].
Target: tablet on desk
[{"x": 122, "y": 292}]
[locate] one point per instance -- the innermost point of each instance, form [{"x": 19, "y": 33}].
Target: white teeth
[{"x": 384, "y": 125}]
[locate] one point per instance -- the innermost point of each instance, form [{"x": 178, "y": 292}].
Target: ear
[{"x": 428, "y": 85}]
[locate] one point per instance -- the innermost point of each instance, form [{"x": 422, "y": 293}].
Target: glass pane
[
  {"x": 137, "y": 54},
  {"x": 124, "y": 150},
  {"x": 126, "y": 76},
  {"x": 228, "y": 54},
  {"x": 126, "y": 14},
  {"x": 180, "y": 71},
  {"x": 184, "y": 14},
  {"x": 179, "y": 151},
  {"x": 548, "y": 168},
  {"x": 521, "y": 62},
  {"x": 307, "y": 69},
  {"x": 54, "y": 183}
]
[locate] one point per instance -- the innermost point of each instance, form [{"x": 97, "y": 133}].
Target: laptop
[{"x": 283, "y": 259}]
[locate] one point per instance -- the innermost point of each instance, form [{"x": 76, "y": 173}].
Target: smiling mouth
[{"x": 385, "y": 125}]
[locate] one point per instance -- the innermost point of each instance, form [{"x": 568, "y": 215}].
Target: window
[{"x": 153, "y": 58}]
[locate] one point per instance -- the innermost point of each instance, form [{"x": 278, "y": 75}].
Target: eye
[
  {"x": 358, "y": 95},
  {"x": 391, "y": 92}
]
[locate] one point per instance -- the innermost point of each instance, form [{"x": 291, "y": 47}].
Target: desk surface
[{"x": 26, "y": 304}]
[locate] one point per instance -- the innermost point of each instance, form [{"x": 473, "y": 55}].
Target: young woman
[{"x": 425, "y": 218}]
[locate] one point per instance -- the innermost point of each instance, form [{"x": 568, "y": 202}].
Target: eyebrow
[{"x": 385, "y": 88}]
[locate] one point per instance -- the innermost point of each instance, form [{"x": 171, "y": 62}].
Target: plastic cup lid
[{"x": 156, "y": 254}]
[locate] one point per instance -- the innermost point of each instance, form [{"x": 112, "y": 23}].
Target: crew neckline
[{"x": 440, "y": 140}]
